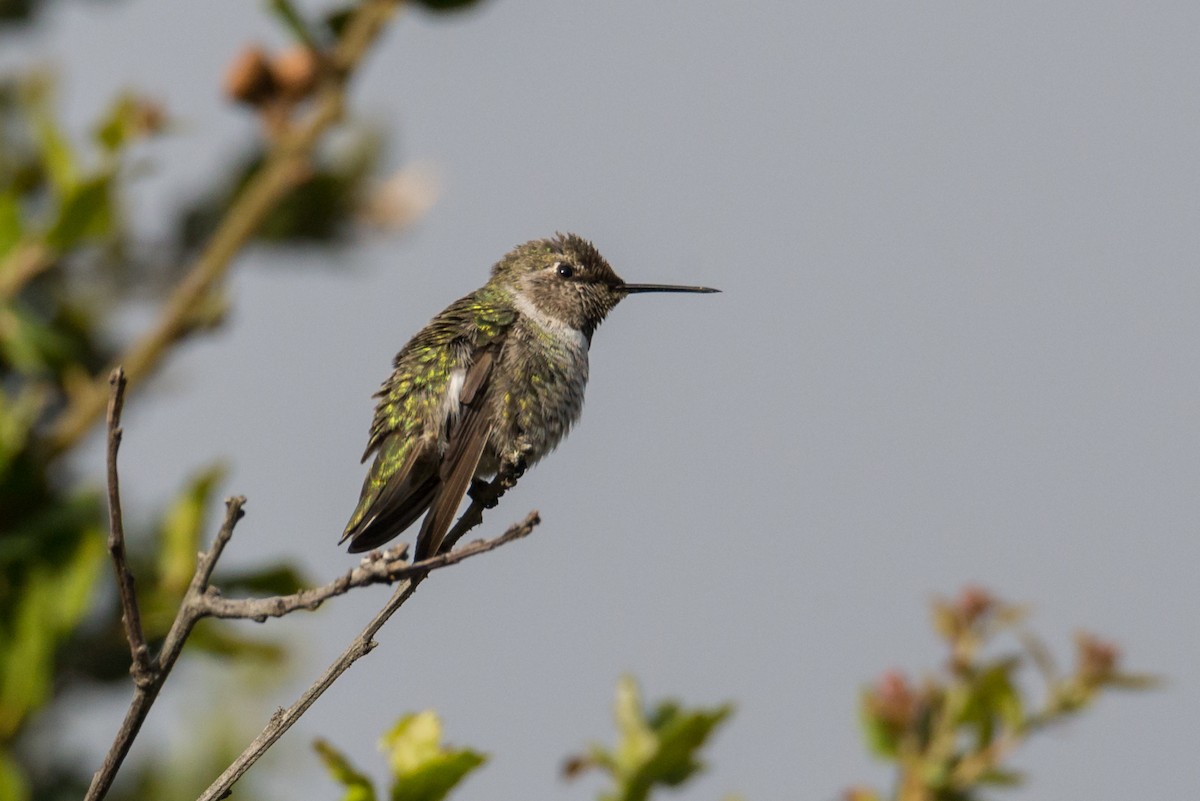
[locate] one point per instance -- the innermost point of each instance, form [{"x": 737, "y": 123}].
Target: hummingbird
[{"x": 492, "y": 383}]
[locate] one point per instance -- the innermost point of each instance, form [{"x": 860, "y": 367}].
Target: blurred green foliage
[
  {"x": 321, "y": 209},
  {"x": 656, "y": 747},
  {"x": 52, "y": 550},
  {"x": 66, "y": 265},
  {"x": 71, "y": 264},
  {"x": 421, "y": 767}
]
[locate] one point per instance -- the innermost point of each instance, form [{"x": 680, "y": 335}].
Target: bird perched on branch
[{"x": 490, "y": 386}]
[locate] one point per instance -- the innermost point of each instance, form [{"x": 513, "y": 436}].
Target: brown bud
[
  {"x": 249, "y": 79},
  {"x": 1096, "y": 659},
  {"x": 296, "y": 72},
  {"x": 151, "y": 117},
  {"x": 893, "y": 700},
  {"x": 575, "y": 766}
]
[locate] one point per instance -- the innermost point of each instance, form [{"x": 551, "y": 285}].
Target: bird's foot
[
  {"x": 512, "y": 471},
  {"x": 484, "y": 493}
]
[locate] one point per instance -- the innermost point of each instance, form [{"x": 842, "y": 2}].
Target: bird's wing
[
  {"x": 468, "y": 436},
  {"x": 390, "y": 503},
  {"x": 414, "y": 419}
]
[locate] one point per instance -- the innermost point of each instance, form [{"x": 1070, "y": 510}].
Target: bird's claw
[
  {"x": 514, "y": 470},
  {"x": 478, "y": 490}
]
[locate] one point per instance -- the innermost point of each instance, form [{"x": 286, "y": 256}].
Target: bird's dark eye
[{"x": 564, "y": 270}]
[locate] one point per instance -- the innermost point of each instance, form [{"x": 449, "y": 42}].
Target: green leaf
[
  {"x": 124, "y": 121},
  {"x": 17, "y": 418},
  {"x": 47, "y": 535},
  {"x": 84, "y": 212},
  {"x": 422, "y": 768},
  {"x": 358, "y": 786},
  {"x": 992, "y": 697},
  {"x": 880, "y": 736},
  {"x": 661, "y": 748},
  {"x": 76, "y": 581},
  {"x": 13, "y": 785},
  {"x": 636, "y": 742},
  {"x": 31, "y": 345},
  {"x": 53, "y": 600},
  {"x": 681, "y": 736},
  {"x": 11, "y": 226},
  {"x": 54, "y": 149},
  {"x": 181, "y": 530},
  {"x": 25, "y": 655}
]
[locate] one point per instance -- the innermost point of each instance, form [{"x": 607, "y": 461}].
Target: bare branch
[
  {"x": 139, "y": 707},
  {"x": 201, "y": 600},
  {"x": 386, "y": 567},
  {"x": 285, "y": 164},
  {"x": 363, "y": 644},
  {"x": 146, "y": 692},
  {"x": 139, "y": 667}
]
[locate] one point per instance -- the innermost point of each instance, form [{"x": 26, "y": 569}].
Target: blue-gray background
[{"x": 957, "y": 343}]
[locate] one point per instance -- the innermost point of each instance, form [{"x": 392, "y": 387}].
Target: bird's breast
[{"x": 543, "y": 377}]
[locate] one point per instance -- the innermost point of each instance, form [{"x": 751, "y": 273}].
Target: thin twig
[
  {"x": 140, "y": 667},
  {"x": 386, "y": 567},
  {"x": 145, "y": 693},
  {"x": 285, "y": 165},
  {"x": 191, "y": 609},
  {"x": 363, "y": 644}
]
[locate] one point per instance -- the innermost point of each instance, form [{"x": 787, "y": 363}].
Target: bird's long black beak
[{"x": 633, "y": 289}]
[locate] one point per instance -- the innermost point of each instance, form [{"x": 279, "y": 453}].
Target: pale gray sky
[{"x": 957, "y": 343}]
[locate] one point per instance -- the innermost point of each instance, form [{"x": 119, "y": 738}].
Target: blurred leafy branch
[
  {"x": 72, "y": 263},
  {"x": 421, "y": 768},
  {"x": 951, "y": 736},
  {"x": 950, "y": 739},
  {"x": 656, "y": 747}
]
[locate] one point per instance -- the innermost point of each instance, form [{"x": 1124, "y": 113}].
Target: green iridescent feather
[{"x": 410, "y": 410}]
